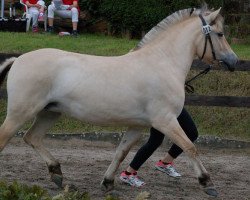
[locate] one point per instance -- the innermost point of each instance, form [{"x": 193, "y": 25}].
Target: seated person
[
  {"x": 36, "y": 10},
  {"x": 64, "y": 9}
]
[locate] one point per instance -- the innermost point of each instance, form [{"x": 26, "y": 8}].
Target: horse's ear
[{"x": 212, "y": 16}]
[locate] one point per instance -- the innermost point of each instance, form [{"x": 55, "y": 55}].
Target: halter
[{"x": 206, "y": 29}]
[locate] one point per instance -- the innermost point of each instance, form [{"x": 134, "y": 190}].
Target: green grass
[
  {"x": 242, "y": 50},
  {"x": 86, "y": 43},
  {"x": 225, "y": 122}
]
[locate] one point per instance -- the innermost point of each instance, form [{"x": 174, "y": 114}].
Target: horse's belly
[{"x": 103, "y": 114}]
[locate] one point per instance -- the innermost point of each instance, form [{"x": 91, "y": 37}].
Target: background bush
[
  {"x": 137, "y": 16},
  {"x": 134, "y": 16}
]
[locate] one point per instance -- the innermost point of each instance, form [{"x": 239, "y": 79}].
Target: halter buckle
[{"x": 206, "y": 29}]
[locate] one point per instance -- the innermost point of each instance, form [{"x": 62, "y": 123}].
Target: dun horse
[{"x": 144, "y": 88}]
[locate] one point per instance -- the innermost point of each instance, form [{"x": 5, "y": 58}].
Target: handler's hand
[{"x": 38, "y": 6}]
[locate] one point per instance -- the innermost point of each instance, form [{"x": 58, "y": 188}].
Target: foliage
[
  {"x": 182, "y": 4},
  {"x": 132, "y": 15},
  {"x": 16, "y": 191},
  {"x": 138, "y": 15},
  {"x": 92, "y": 6},
  {"x": 71, "y": 195},
  {"x": 109, "y": 197},
  {"x": 143, "y": 196}
]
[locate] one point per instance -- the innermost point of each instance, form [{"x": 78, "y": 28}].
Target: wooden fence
[
  {"x": 223, "y": 101},
  {"x": 194, "y": 100}
]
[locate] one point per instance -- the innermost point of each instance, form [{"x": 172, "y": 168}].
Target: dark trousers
[{"x": 156, "y": 138}]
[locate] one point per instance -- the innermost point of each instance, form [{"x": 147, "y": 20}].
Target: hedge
[{"x": 137, "y": 16}]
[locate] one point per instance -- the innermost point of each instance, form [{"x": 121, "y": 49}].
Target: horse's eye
[{"x": 220, "y": 34}]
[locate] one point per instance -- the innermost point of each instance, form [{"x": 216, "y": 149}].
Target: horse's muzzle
[{"x": 229, "y": 61}]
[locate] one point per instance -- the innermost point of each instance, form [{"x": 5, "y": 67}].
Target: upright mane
[{"x": 168, "y": 22}]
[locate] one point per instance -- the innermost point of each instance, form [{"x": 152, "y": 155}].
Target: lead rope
[{"x": 189, "y": 88}]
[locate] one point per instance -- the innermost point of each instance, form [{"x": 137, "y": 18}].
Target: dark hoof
[
  {"x": 211, "y": 191},
  {"x": 56, "y": 174},
  {"x": 107, "y": 185},
  {"x": 57, "y": 179}
]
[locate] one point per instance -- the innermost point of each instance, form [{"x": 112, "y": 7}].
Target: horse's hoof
[
  {"x": 57, "y": 179},
  {"x": 56, "y": 174},
  {"x": 107, "y": 185},
  {"x": 211, "y": 191}
]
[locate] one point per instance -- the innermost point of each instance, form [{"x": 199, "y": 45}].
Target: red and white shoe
[
  {"x": 35, "y": 29},
  {"x": 131, "y": 179},
  {"x": 167, "y": 169}
]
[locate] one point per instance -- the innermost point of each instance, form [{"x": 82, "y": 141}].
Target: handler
[{"x": 164, "y": 165}]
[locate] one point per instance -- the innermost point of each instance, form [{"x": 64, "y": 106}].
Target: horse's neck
[{"x": 177, "y": 47}]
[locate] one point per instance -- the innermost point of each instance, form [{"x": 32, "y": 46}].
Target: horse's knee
[
  {"x": 191, "y": 150},
  {"x": 34, "y": 140},
  {"x": 28, "y": 140}
]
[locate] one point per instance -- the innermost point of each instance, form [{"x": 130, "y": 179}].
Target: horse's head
[{"x": 212, "y": 44}]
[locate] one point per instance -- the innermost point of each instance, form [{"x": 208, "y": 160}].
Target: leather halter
[{"x": 206, "y": 29}]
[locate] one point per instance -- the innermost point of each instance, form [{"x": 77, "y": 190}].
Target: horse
[{"x": 143, "y": 88}]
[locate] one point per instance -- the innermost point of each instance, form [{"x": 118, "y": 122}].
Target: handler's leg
[
  {"x": 173, "y": 130},
  {"x": 43, "y": 122},
  {"x": 128, "y": 140}
]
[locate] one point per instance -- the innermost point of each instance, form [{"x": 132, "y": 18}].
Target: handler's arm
[{"x": 75, "y": 4}]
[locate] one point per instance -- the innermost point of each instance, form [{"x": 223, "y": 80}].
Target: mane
[{"x": 168, "y": 22}]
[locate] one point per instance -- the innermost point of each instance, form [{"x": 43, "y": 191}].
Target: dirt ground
[{"x": 84, "y": 163}]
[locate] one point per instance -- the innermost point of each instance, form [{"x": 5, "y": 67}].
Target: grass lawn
[
  {"x": 86, "y": 43},
  {"x": 225, "y": 122},
  {"x": 242, "y": 50}
]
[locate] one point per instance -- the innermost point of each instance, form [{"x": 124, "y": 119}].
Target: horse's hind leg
[
  {"x": 8, "y": 130},
  {"x": 128, "y": 140},
  {"x": 43, "y": 122},
  {"x": 174, "y": 131}
]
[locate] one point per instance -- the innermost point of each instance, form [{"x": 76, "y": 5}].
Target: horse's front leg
[
  {"x": 174, "y": 131},
  {"x": 128, "y": 140}
]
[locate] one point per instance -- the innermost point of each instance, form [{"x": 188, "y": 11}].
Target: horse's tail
[{"x": 5, "y": 67}]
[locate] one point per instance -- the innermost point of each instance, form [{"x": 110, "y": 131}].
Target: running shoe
[
  {"x": 50, "y": 29},
  {"x": 131, "y": 179},
  {"x": 167, "y": 168},
  {"x": 35, "y": 29},
  {"x": 74, "y": 33}
]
